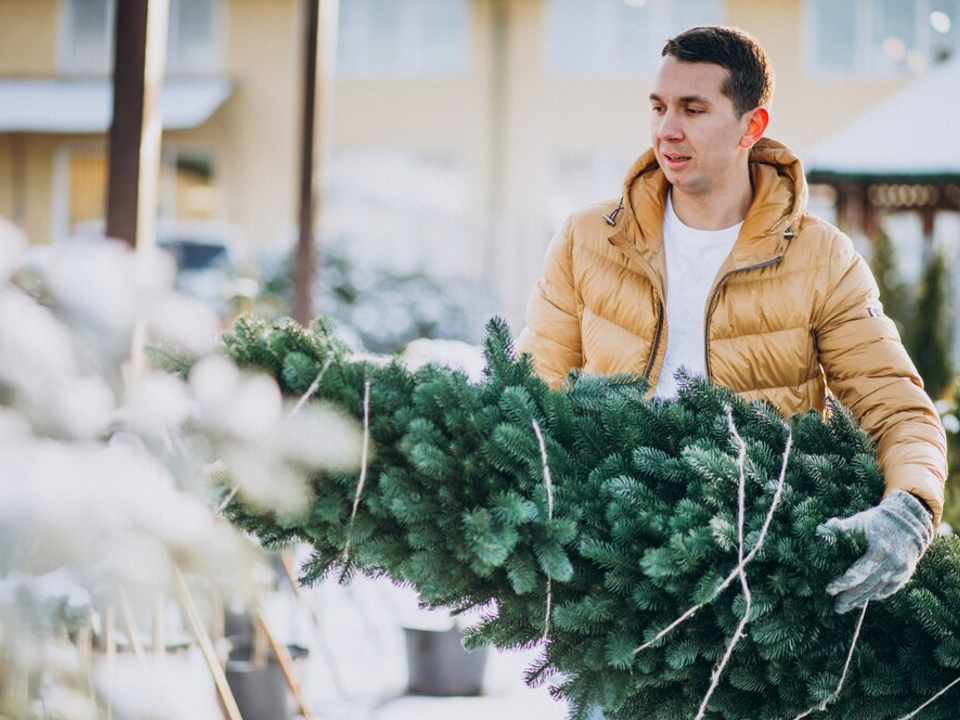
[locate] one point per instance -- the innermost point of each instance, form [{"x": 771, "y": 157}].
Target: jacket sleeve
[
  {"x": 868, "y": 369},
  {"x": 552, "y": 331}
]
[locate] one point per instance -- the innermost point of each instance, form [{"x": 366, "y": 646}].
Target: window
[
  {"x": 614, "y": 39},
  {"x": 403, "y": 209},
  {"x": 189, "y": 189},
  {"x": 86, "y": 36},
  {"x": 881, "y": 38},
  {"x": 403, "y": 39},
  {"x": 194, "y": 39},
  {"x": 87, "y": 189},
  {"x": 572, "y": 180}
]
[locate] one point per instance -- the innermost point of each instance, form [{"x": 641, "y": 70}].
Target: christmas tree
[{"x": 591, "y": 517}]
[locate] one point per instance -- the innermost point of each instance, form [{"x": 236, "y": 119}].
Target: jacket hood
[{"x": 779, "y": 201}]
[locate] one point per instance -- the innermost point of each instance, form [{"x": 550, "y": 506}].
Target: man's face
[{"x": 694, "y": 129}]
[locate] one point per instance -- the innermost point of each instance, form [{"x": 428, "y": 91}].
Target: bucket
[
  {"x": 438, "y": 664},
  {"x": 260, "y": 692}
]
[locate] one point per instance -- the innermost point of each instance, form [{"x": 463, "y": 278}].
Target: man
[{"x": 709, "y": 261}]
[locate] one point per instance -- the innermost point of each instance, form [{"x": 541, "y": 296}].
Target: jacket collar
[{"x": 779, "y": 201}]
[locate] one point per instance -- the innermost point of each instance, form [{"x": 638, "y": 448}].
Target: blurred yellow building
[{"x": 457, "y": 134}]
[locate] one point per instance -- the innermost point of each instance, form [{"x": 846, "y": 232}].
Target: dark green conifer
[
  {"x": 638, "y": 525},
  {"x": 929, "y": 336},
  {"x": 894, "y": 293}
]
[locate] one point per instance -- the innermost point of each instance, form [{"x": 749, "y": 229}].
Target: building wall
[
  {"x": 505, "y": 121},
  {"x": 26, "y": 181},
  {"x": 28, "y": 35},
  {"x": 27, "y": 49},
  {"x": 257, "y": 131},
  {"x": 806, "y": 109}
]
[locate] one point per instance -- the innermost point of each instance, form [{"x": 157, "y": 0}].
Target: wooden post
[
  {"x": 498, "y": 137},
  {"x": 282, "y": 655},
  {"x": 110, "y": 652},
  {"x": 136, "y": 126},
  {"x": 130, "y": 624},
  {"x": 206, "y": 647},
  {"x": 305, "y": 261},
  {"x": 159, "y": 640},
  {"x": 136, "y": 130},
  {"x": 85, "y": 654},
  {"x": 843, "y": 206},
  {"x": 871, "y": 217},
  {"x": 286, "y": 560}
]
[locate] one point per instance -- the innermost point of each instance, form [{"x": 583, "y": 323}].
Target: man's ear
[{"x": 757, "y": 121}]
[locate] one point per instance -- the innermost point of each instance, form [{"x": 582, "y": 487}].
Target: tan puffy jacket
[{"x": 794, "y": 310}]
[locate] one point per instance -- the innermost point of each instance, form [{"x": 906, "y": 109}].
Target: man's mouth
[{"x": 676, "y": 158}]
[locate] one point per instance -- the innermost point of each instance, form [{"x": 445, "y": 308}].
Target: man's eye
[
  {"x": 657, "y": 108},
  {"x": 694, "y": 111}
]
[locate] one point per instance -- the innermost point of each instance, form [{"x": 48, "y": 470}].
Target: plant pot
[
  {"x": 438, "y": 664},
  {"x": 260, "y": 692}
]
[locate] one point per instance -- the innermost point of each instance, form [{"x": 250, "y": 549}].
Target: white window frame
[
  {"x": 412, "y": 65},
  {"x": 60, "y": 185},
  {"x": 60, "y": 182},
  {"x": 169, "y": 155},
  {"x": 66, "y": 62},
  {"x": 865, "y": 68},
  {"x": 213, "y": 58}
]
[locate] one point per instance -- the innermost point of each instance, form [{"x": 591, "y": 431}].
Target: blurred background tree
[
  {"x": 928, "y": 338},
  {"x": 380, "y": 310},
  {"x": 894, "y": 293},
  {"x": 921, "y": 313}
]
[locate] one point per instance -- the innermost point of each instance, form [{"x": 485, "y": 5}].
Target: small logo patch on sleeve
[{"x": 874, "y": 311}]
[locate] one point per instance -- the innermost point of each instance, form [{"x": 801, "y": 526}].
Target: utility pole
[
  {"x": 136, "y": 127},
  {"x": 305, "y": 259}
]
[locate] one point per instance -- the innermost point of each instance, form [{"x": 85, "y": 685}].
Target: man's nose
[{"x": 670, "y": 128}]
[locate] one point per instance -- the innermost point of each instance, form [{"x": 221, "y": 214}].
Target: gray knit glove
[{"x": 898, "y": 531}]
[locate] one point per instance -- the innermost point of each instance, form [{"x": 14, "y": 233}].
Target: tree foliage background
[{"x": 921, "y": 313}]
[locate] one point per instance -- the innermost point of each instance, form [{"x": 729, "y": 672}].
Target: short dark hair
[{"x": 749, "y": 81}]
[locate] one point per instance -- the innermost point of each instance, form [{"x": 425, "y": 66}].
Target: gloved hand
[{"x": 898, "y": 531}]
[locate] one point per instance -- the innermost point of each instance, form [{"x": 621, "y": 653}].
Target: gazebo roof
[{"x": 912, "y": 134}]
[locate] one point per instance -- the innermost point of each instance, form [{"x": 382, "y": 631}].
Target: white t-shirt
[{"x": 693, "y": 259}]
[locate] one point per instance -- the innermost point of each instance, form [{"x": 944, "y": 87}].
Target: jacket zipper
[
  {"x": 713, "y": 297},
  {"x": 656, "y": 342},
  {"x": 660, "y": 315}
]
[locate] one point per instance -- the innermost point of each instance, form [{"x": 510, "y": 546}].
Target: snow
[
  {"x": 12, "y": 245},
  {"x": 91, "y": 510},
  {"x": 184, "y": 322},
  {"x": 232, "y": 403},
  {"x": 357, "y": 667},
  {"x": 158, "y": 688},
  {"x": 453, "y": 354},
  {"x": 912, "y": 132},
  {"x": 266, "y": 447},
  {"x": 104, "y": 492},
  {"x": 319, "y": 436},
  {"x": 157, "y": 404}
]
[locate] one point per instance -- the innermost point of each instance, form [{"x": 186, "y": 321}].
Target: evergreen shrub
[{"x": 637, "y": 524}]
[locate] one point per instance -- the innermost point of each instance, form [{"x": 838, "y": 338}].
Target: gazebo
[{"x": 901, "y": 155}]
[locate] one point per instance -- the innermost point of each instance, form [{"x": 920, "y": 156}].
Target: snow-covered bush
[
  {"x": 380, "y": 310},
  {"x": 107, "y": 469}
]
